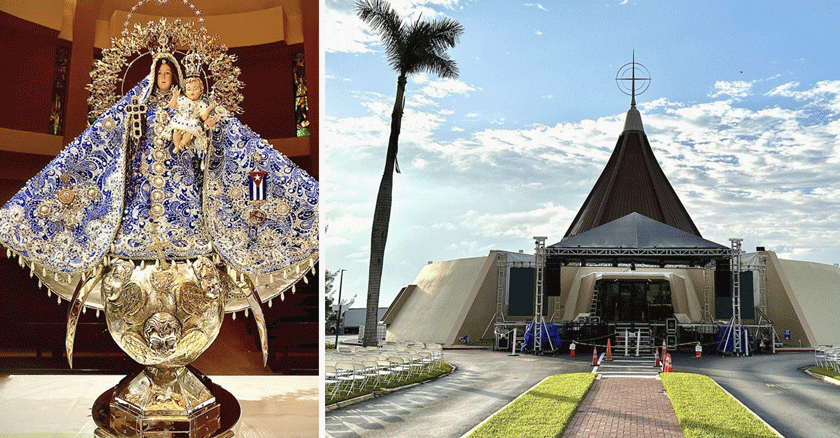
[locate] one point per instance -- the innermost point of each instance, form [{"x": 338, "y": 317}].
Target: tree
[
  {"x": 410, "y": 48},
  {"x": 329, "y": 279},
  {"x": 330, "y": 299}
]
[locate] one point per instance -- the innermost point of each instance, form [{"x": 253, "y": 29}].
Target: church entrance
[{"x": 634, "y": 300}]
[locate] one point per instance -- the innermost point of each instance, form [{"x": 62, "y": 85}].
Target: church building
[{"x": 632, "y": 256}]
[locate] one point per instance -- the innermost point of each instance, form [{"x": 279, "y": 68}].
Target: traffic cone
[
  {"x": 572, "y": 349},
  {"x": 698, "y": 350},
  {"x": 656, "y": 355},
  {"x": 664, "y": 350},
  {"x": 609, "y": 350},
  {"x": 669, "y": 367},
  {"x": 594, "y": 356}
]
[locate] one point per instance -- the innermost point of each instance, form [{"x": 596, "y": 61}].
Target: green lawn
[
  {"x": 705, "y": 410},
  {"x": 544, "y": 411},
  {"x": 441, "y": 369},
  {"x": 825, "y": 371}
]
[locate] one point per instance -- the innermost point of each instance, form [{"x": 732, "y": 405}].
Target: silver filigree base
[{"x": 172, "y": 403}]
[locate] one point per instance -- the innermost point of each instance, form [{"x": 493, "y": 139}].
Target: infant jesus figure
[{"x": 192, "y": 113}]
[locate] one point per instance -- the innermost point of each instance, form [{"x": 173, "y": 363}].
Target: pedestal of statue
[{"x": 166, "y": 403}]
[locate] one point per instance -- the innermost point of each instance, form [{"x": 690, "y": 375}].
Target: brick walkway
[{"x": 625, "y": 408}]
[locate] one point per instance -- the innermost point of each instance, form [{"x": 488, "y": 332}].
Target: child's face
[{"x": 192, "y": 90}]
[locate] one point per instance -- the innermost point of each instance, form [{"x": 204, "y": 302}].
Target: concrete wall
[
  {"x": 475, "y": 319},
  {"x": 439, "y": 303},
  {"x": 783, "y": 306},
  {"x": 452, "y": 299},
  {"x": 817, "y": 289}
]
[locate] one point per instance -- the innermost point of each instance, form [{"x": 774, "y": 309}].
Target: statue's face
[
  {"x": 192, "y": 90},
  {"x": 164, "y": 77}
]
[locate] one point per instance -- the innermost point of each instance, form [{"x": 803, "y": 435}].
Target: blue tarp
[
  {"x": 726, "y": 339},
  {"x": 549, "y": 330}
]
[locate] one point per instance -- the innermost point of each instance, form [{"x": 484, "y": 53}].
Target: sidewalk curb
[
  {"x": 831, "y": 380},
  {"x": 748, "y": 409},
  {"x": 503, "y": 408},
  {"x": 382, "y": 392}
]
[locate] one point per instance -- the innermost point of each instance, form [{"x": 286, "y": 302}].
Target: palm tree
[{"x": 410, "y": 48}]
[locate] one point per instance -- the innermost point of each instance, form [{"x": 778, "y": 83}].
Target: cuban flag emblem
[{"x": 257, "y": 186}]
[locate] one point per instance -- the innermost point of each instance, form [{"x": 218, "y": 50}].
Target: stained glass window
[
  {"x": 301, "y": 99},
  {"x": 62, "y": 60}
]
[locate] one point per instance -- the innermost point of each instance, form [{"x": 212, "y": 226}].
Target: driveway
[
  {"x": 772, "y": 386},
  {"x": 794, "y": 403},
  {"x": 449, "y": 407}
]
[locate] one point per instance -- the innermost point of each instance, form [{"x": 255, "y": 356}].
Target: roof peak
[
  {"x": 627, "y": 73},
  {"x": 633, "y": 122}
]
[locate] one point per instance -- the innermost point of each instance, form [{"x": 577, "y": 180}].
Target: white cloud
[
  {"x": 732, "y": 88},
  {"x": 537, "y": 5},
  {"x": 537, "y": 32},
  {"x": 441, "y": 88},
  {"x": 347, "y": 33},
  {"x": 824, "y": 93},
  {"x": 786, "y": 90},
  {"x": 341, "y": 225},
  {"x": 764, "y": 172},
  {"x": 332, "y": 240},
  {"x": 544, "y": 219}
]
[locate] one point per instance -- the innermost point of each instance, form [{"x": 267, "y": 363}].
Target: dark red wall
[
  {"x": 269, "y": 92},
  {"x": 28, "y": 64}
]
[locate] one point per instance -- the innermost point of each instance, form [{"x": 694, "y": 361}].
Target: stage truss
[{"x": 632, "y": 257}]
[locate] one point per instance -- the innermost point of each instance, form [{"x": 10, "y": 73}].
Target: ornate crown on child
[{"x": 192, "y": 64}]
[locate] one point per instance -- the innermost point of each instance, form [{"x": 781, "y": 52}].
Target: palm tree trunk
[{"x": 381, "y": 219}]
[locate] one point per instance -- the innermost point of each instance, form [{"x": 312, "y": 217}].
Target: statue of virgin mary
[
  {"x": 122, "y": 221},
  {"x": 165, "y": 239}
]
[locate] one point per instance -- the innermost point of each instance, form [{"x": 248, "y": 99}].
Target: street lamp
[{"x": 338, "y": 316}]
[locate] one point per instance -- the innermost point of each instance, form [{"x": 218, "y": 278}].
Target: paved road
[
  {"x": 449, "y": 407},
  {"x": 794, "y": 403}
]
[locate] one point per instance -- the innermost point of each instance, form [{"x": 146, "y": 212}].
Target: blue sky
[{"x": 743, "y": 114}]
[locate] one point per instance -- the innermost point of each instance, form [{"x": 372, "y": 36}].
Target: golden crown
[
  {"x": 164, "y": 37},
  {"x": 192, "y": 64}
]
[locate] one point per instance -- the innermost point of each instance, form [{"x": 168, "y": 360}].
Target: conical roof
[{"x": 632, "y": 182}]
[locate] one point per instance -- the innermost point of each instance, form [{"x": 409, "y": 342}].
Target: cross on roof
[{"x": 622, "y": 76}]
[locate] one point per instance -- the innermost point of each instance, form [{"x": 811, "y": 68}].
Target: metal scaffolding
[
  {"x": 736, "y": 323},
  {"x": 539, "y": 291}
]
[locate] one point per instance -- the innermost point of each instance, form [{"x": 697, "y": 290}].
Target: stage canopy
[{"x": 635, "y": 238}]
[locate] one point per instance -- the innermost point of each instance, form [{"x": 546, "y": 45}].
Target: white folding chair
[
  {"x": 384, "y": 370},
  {"x": 346, "y": 374},
  {"x": 832, "y": 356},
  {"x": 330, "y": 382},
  {"x": 819, "y": 355},
  {"x": 426, "y": 360},
  {"x": 371, "y": 371},
  {"x": 399, "y": 367}
]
